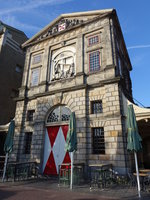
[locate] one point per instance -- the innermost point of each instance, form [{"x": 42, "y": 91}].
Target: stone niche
[{"x": 63, "y": 63}]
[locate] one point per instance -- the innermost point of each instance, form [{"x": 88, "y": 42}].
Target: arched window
[{"x": 59, "y": 114}]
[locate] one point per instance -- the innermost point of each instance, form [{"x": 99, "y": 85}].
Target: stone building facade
[{"x": 78, "y": 63}]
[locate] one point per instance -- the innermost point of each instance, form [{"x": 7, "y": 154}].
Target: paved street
[
  {"x": 29, "y": 193},
  {"x": 49, "y": 190}
]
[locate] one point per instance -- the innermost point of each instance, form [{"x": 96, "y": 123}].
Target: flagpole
[
  {"x": 71, "y": 179},
  {"x": 5, "y": 165},
  {"x": 137, "y": 174}
]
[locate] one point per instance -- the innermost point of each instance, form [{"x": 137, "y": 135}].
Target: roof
[{"x": 12, "y": 28}]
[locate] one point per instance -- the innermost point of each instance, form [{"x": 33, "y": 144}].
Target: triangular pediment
[{"x": 65, "y": 22}]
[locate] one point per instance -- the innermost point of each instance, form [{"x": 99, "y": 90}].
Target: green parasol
[
  {"x": 9, "y": 139},
  {"x": 71, "y": 142},
  {"x": 134, "y": 139},
  {"x": 8, "y": 145}
]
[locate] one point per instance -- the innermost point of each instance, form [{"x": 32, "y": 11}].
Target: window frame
[
  {"x": 31, "y": 82},
  {"x": 27, "y": 143},
  {"x": 60, "y": 120},
  {"x": 92, "y": 105},
  {"x": 93, "y": 36},
  {"x": 96, "y": 70},
  {"x": 99, "y": 150},
  {"x": 29, "y": 117},
  {"x": 33, "y": 59}
]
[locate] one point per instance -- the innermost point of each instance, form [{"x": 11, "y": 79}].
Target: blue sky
[{"x": 31, "y": 16}]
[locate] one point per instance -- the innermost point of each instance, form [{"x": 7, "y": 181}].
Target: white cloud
[
  {"x": 26, "y": 5},
  {"x": 139, "y": 46}
]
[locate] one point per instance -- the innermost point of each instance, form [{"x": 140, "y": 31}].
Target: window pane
[
  {"x": 54, "y": 115},
  {"x": 59, "y": 114},
  {"x": 35, "y": 77},
  {"x": 94, "y": 61},
  {"x": 65, "y": 114},
  {"x": 98, "y": 141}
]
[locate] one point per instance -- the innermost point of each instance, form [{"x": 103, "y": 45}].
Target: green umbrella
[
  {"x": 134, "y": 139},
  {"x": 71, "y": 142},
  {"x": 8, "y": 145}
]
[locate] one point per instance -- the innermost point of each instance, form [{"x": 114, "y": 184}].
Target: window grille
[
  {"x": 30, "y": 115},
  {"x": 94, "y": 61},
  {"x": 93, "y": 40},
  {"x": 27, "y": 142},
  {"x": 59, "y": 114},
  {"x": 96, "y": 107},
  {"x": 98, "y": 140}
]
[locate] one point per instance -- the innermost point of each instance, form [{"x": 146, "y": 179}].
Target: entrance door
[{"x": 54, "y": 149}]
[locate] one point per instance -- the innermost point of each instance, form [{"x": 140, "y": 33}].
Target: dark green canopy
[
  {"x": 71, "y": 141},
  {"x": 134, "y": 139},
  {"x": 9, "y": 138}
]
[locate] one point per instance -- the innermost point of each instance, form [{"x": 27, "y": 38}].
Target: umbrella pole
[
  {"x": 5, "y": 165},
  {"x": 137, "y": 174},
  {"x": 71, "y": 179}
]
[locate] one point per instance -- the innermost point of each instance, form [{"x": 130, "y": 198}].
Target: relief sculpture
[{"x": 63, "y": 66}]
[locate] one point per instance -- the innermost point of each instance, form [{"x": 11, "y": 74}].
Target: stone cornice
[{"x": 74, "y": 88}]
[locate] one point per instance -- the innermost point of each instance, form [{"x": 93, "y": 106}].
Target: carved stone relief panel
[{"x": 63, "y": 64}]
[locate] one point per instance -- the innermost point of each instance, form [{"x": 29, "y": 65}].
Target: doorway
[{"x": 55, "y": 139}]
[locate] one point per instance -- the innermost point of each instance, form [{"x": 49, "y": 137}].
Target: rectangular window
[
  {"x": 18, "y": 69},
  {"x": 119, "y": 66},
  {"x": 35, "y": 77},
  {"x": 98, "y": 140},
  {"x": 94, "y": 61},
  {"x": 30, "y": 115},
  {"x": 96, "y": 107},
  {"x": 27, "y": 142},
  {"x": 37, "y": 59},
  {"x": 93, "y": 40}
]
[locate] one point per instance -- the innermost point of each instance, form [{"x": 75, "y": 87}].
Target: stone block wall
[{"x": 76, "y": 93}]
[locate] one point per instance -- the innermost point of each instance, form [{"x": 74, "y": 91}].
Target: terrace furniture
[{"x": 100, "y": 175}]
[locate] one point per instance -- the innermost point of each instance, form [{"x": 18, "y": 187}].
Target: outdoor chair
[
  {"x": 132, "y": 180},
  {"x": 64, "y": 175},
  {"x": 97, "y": 179}
]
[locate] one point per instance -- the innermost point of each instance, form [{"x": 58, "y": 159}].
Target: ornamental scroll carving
[{"x": 65, "y": 23}]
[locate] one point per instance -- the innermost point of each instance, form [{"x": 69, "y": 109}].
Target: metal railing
[{"x": 20, "y": 170}]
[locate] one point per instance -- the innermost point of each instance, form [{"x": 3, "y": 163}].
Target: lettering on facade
[{"x": 61, "y": 26}]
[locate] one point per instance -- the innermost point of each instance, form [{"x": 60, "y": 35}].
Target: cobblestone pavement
[{"x": 42, "y": 189}]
